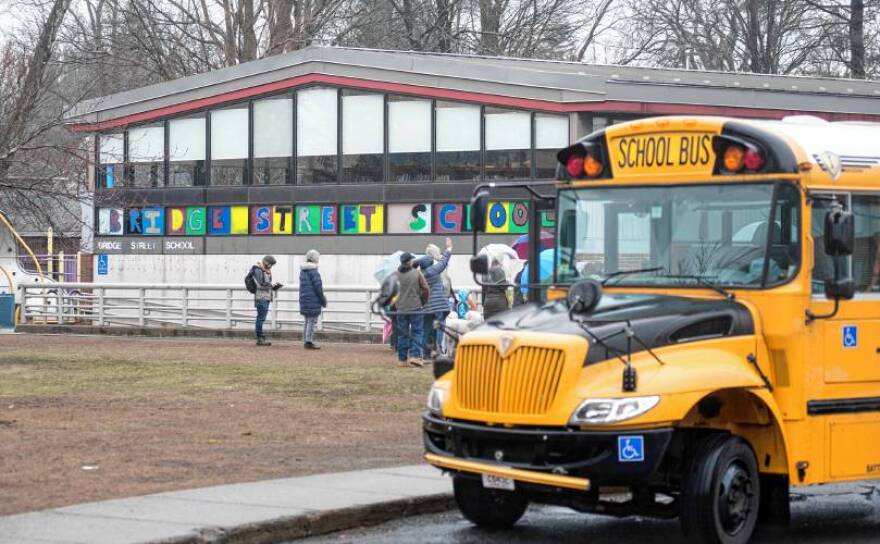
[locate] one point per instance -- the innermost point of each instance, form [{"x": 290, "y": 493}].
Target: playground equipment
[{"x": 10, "y": 267}]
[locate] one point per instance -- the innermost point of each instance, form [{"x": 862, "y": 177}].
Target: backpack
[{"x": 249, "y": 282}]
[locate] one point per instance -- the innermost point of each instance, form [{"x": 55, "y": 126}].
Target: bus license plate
[{"x": 497, "y": 482}]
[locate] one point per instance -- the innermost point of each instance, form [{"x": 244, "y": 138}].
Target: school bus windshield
[{"x": 731, "y": 235}]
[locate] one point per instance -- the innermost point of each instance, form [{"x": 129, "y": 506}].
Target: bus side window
[
  {"x": 823, "y": 267},
  {"x": 866, "y": 257}
]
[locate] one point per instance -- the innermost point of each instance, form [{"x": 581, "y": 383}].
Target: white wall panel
[
  {"x": 316, "y": 122},
  {"x": 409, "y": 126},
  {"x": 551, "y": 131},
  {"x": 508, "y": 130},
  {"x": 362, "y": 124},
  {"x": 187, "y": 139},
  {"x": 146, "y": 144},
  {"x": 111, "y": 148},
  {"x": 229, "y": 134},
  {"x": 273, "y": 128},
  {"x": 458, "y": 128}
]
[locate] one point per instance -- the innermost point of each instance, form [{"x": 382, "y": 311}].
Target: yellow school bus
[{"x": 711, "y": 338}]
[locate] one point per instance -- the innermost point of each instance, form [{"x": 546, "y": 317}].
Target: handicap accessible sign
[
  {"x": 103, "y": 264},
  {"x": 850, "y": 336},
  {"x": 631, "y": 449}
]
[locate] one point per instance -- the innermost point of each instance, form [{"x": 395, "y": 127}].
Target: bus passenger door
[{"x": 849, "y": 397}]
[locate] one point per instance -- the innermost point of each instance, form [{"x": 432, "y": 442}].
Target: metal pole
[
  {"x": 59, "y": 306},
  {"x": 534, "y": 252},
  {"x": 24, "y": 306},
  {"x": 368, "y": 314},
  {"x": 49, "y": 250},
  {"x": 184, "y": 309},
  {"x": 229, "y": 308},
  {"x": 101, "y": 306},
  {"x": 141, "y": 319}
]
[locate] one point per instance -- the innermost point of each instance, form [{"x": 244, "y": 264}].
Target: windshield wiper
[
  {"x": 703, "y": 282},
  {"x": 627, "y": 272}
]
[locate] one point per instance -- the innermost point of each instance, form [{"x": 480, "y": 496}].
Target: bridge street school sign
[{"x": 308, "y": 220}]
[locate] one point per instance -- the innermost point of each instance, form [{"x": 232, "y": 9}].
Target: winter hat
[
  {"x": 312, "y": 256},
  {"x": 406, "y": 257}
]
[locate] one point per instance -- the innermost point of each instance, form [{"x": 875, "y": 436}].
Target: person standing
[
  {"x": 412, "y": 295},
  {"x": 495, "y": 291},
  {"x": 437, "y": 307},
  {"x": 311, "y": 297},
  {"x": 263, "y": 295}
]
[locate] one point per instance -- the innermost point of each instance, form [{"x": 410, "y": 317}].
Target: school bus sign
[{"x": 661, "y": 153}]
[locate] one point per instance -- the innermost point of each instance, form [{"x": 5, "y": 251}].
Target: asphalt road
[{"x": 834, "y": 514}]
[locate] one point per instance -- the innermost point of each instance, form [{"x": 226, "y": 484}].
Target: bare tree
[
  {"x": 851, "y": 30},
  {"x": 764, "y": 36},
  {"x": 36, "y": 153}
]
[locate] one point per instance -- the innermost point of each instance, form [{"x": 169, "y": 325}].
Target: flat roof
[{"x": 536, "y": 84}]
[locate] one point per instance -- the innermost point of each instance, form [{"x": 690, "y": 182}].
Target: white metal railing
[{"x": 190, "y": 305}]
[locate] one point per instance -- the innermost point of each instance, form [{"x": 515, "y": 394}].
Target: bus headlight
[
  {"x": 435, "y": 400},
  {"x": 600, "y": 411}
]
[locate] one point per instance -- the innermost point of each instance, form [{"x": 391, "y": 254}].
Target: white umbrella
[
  {"x": 387, "y": 265},
  {"x": 506, "y": 256}
]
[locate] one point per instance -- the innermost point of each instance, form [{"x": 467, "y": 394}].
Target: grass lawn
[{"x": 90, "y": 418}]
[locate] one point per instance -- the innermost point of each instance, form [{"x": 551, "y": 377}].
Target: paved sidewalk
[{"x": 257, "y": 512}]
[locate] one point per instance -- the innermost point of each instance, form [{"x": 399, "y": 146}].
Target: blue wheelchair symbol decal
[
  {"x": 850, "y": 336},
  {"x": 103, "y": 264},
  {"x": 631, "y": 449}
]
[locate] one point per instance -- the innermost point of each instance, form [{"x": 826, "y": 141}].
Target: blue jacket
[
  {"x": 438, "y": 299},
  {"x": 311, "y": 291}
]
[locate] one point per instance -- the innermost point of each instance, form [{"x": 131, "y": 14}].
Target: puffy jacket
[
  {"x": 311, "y": 290},
  {"x": 438, "y": 298}
]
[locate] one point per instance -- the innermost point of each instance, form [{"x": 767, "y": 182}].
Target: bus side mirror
[
  {"x": 479, "y": 209},
  {"x": 836, "y": 289},
  {"x": 480, "y": 264},
  {"x": 839, "y": 237},
  {"x": 584, "y": 296},
  {"x": 839, "y": 232}
]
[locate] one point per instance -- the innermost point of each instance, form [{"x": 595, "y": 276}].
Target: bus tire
[
  {"x": 720, "y": 497},
  {"x": 490, "y": 508}
]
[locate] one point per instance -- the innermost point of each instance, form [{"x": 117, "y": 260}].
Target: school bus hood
[{"x": 656, "y": 320}]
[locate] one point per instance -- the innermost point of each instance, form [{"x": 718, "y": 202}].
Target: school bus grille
[{"x": 523, "y": 383}]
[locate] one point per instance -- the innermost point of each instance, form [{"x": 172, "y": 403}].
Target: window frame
[{"x": 848, "y": 205}]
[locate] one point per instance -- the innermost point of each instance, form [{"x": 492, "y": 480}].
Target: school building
[{"x": 358, "y": 152}]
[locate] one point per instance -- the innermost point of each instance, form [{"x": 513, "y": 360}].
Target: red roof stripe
[{"x": 452, "y": 94}]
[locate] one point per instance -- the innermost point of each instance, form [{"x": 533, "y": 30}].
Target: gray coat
[{"x": 263, "y": 279}]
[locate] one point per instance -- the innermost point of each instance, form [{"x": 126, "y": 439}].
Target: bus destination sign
[{"x": 662, "y": 153}]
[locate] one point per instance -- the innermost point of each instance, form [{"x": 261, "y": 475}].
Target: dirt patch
[{"x": 92, "y": 418}]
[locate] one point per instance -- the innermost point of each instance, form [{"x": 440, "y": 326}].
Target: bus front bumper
[
  {"x": 557, "y": 457},
  {"x": 528, "y": 476}
]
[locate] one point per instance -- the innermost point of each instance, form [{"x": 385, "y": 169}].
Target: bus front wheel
[
  {"x": 490, "y": 508},
  {"x": 721, "y": 492}
]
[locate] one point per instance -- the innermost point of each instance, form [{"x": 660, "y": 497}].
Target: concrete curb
[
  {"x": 261, "y": 512},
  {"x": 320, "y": 523},
  {"x": 181, "y": 332}
]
